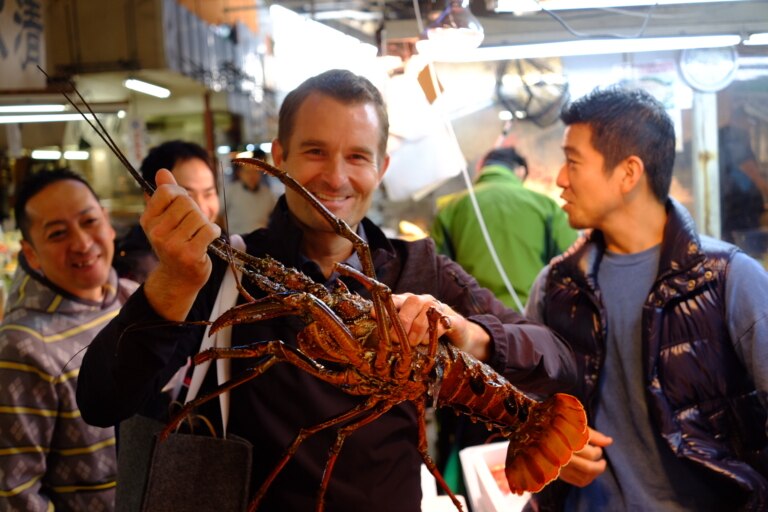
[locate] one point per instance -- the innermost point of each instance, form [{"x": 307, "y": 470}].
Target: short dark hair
[
  {"x": 32, "y": 185},
  {"x": 508, "y": 157},
  {"x": 168, "y": 154},
  {"x": 341, "y": 85},
  {"x": 628, "y": 122}
]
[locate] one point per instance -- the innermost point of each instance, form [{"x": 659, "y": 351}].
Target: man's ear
[
  {"x": 634, "y": 171},
  {"x": 384, "y": 166},
  {"x": 30, "y": 254},
  {"x": 277, "y": 153}
]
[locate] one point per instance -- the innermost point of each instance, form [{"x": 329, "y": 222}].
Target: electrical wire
[
  {"x": 647, "y": 18},
  {"x": 464, "y": 171},
  {"x": 468, "y": 181}
]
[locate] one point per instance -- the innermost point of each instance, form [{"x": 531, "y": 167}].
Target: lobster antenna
[
  {"x": 104, "y": 135},
  {"x": 224, "y": 197},
  {"x": 228, "y": 249}
]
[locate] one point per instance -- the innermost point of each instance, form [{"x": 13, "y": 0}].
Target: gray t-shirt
[{"x": 643, "y": 474}]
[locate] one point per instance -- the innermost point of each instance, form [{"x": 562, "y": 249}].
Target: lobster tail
[
  {"x": 562, "y": 429},
  {"x": 542, "y": 435}
]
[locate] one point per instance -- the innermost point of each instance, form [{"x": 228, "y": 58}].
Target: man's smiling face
[{"x": 334, "y": 153}]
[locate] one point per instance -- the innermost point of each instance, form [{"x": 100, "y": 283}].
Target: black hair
[
  {"x": 508, "y": 157},
  {"x": 32, "y": 185},
  {"x": 627, "y": 122},
  {"x": 168, "y": 154}
]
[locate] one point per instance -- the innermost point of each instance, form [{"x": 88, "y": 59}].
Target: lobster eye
[
  {"x": 523, "y": 413},
  {"x": 511, "y": 406}
]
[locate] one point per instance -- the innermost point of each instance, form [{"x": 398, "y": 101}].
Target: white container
[
  {"x": 430, "y": 501},
  {"x": 483, "y": 492}
]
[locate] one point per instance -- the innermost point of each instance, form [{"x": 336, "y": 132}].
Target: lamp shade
[{"x": 455, "y": 28}]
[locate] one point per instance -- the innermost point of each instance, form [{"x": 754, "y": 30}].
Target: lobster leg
[
  {"x": 190, "y": 406},
  {"x": 374, "y": 412},
  {"x": 402, "y": 347},
  {"x": 421, "y": 410},
  {"x": 276, "y": 351},
  {"x": 303, "y": 434},
  {"x": 434, "y": 316},
  {"x": 274, "y": 306}
]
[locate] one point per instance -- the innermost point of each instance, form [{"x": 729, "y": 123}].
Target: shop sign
[{"x": 22, "y": 44}]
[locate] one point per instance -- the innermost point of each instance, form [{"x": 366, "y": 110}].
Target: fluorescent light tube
[
  {"x": 756, "y": 39},
  {"x": 42, "y": 118},
  {"x": 75, "y": 155},
  {"x": 558, "y": 5},
  {"x": 147, "y": 88},
  {"x": 22, "y": 109},
  {"x": 45, "y": 154},
  {"x": 586, "y": 47}
]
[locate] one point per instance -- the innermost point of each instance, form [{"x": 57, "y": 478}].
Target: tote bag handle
[{"x": 226, "y": 299}]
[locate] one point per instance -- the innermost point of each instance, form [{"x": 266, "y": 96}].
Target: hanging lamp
[{"x": 455, "y": 29}]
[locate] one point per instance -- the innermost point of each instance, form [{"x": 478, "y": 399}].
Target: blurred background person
[
  {"x": 743, "y": 188},
  {"x": 64, "y": 290},
  {"x": 249, "y": 199},
  {"x": 527, "y": 229},
  {"x": 190, "y": 165}
]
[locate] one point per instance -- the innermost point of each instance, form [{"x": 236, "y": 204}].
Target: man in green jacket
[{"x": 527, "y": 228}]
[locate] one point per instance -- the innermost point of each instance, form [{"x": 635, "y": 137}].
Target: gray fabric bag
[
  {"x": 198, "y": 473},
  {"x": 186, "y": 472}
]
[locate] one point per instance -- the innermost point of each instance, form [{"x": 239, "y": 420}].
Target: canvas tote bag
[{"x": 187, "y": 472}]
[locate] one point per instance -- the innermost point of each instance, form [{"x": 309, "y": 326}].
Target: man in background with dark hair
[
  {"x": 63, "y": 292},
  {"x": 743, "y": 188},
  {"x": 190, "y": 165},
  {"x": 249, "y": 199}
]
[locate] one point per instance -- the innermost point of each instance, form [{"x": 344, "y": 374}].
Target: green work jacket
[{"x": 527, "y": 229}]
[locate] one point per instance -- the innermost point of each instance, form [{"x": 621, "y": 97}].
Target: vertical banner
[{"x": 22, "y": 44}]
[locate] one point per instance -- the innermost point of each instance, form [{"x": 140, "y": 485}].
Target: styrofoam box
[
  {"x": 430, "y": 501},
  {"x": 482, "y": 491}
]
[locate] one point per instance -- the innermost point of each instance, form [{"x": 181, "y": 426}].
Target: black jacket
[{"x": 134, "y": 258}]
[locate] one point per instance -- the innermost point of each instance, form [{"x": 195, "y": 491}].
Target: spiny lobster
[
  {"x": 353, "y": 332},
  {"x": 339, "y": 327}
]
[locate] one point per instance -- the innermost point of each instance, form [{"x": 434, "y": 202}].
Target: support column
[{"x": 706, "y": 174}]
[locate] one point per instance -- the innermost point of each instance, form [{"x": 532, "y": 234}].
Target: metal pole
[{"x": 706, "y": 177}]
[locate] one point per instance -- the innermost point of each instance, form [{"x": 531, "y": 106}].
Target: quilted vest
[{"x": 697, "y": 390}]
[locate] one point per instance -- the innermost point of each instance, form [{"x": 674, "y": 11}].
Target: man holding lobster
[{"x": 331, "y": 139}]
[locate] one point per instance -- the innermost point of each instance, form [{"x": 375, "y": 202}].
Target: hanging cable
[{"x": 468, "y": 180}]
